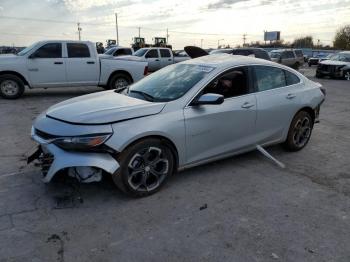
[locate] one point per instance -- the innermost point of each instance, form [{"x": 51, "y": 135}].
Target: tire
[
  {"x": 347, "y": 75},
  {"x": 299, "y": 132},
  {"x": 11, "y": 86},
  {"x": 319, "y": 75},
  {"x": 296, "y": 66},
  {"x": 144, "y": 167},
  {"x": 119, "y": 82},
  {"x": 309, "y": 64}
]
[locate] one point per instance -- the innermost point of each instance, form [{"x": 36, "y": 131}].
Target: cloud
[{"x": 224, "y": 4}]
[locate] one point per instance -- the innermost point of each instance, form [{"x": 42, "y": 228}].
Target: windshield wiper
[{"x": 148, "y": 97}]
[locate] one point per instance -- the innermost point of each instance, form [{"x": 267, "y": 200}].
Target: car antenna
[{"x": 265, "y": 153}]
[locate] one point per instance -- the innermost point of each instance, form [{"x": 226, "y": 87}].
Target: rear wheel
[
  {"x": 11, "y": 86},
  {"x": 299, "y": 131},
  {"x": 119, "y": 82},
  {"x": 144, "y": 167}
]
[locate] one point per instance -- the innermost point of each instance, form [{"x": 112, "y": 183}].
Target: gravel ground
[{"x": 239, "y": 209}]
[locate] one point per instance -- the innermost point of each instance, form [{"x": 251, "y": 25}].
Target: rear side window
[
  {"x": 78, "y": 50},
  {"x": 299, "y": 53},
  {"x": 262, "y": 54},
  {"x": 51, "y": 50},
  {"x": 269, "y": 77},
  {"x": 288, "y": 54},
  {"x": 164, "y": 53},
  {"x": 153, "y": 53},
  {"x": 291, "y": 78}
]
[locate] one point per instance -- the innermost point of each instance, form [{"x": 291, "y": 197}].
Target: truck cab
[{"x": 157, "y": 57}]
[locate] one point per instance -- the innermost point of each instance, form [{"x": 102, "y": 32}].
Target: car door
[
  {"x": 46, "y": 67},
  {"x": 215, "y": 130},
  {"x": 165, "y": 57},
  {"x": 81, "y": 64},
  {"x": 278, "y": 98},
  {"x": 152, "y": 57}
]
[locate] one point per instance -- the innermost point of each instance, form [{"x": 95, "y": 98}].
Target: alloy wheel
[
  {"x": 120, "y": 84},
  {"x": 302, "y": 131},
  {"x": 347, "y": 75},
  {"x": 147, "y": 169}
]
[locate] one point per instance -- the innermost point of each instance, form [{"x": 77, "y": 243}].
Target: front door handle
[
  {"x": 90, "y": 62},
  {"x": 247, "y": 105},
  {"x": 290, "y": 96},
  {"x": 58, "y": 63},
  {"x": 169, "y": 59},
  {"x": 156, "y": 60}
]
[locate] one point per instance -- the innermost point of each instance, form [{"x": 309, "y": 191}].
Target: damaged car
[
  {"x": 181, "y": 116},
  {"x": 338, "y": 66}
]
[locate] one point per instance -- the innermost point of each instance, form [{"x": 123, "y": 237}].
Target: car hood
[
  {"x": 102, "y": 108},
  {"x": 334, "y": 62}
]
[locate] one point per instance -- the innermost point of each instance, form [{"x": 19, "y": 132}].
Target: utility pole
[
  {"x": 116, "y": 27},
  {"x": 167, "y": 36},
  {"x": 244, "y": 38},
  {"x": 139, "y": 31},
  {"x": 202, "y": 43},
  {"x": 79, "y": 31}
]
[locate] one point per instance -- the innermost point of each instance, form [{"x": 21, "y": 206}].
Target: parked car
[
  {"x": 290, "y": 57},
  {"x": 118, "y": 51},
  {"x": 55, "y": 63},
  {"x": 184, "y": 115},
  {"x": 318, "y": 58},
  {"x": 338, "y": 66},
  {"x": 255, "y": 52},
  {"x": 158, "y": 57}
]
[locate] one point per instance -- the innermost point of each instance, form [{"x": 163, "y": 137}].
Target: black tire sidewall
[
  {"x": 120, "y": 178},
  {"x": 289, "y": 143},
  {"x": 117, "y": 76},
  {"x": 19, "y": 83}
]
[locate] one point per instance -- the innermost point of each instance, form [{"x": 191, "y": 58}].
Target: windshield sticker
[{"x": 205, "y": 69}]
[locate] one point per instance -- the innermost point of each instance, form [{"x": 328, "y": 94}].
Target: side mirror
[{"x": 209, "y": 99}]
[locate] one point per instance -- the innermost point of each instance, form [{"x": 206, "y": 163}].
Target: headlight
[{"x": 81, "y": 142}]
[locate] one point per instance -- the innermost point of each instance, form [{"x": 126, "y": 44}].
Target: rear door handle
[
  {"x": 290, "y": 96},
  {"x": 247, "y": 105},
  {"x": 58, "y": 63},
  {"x": 90, "y": 62}
]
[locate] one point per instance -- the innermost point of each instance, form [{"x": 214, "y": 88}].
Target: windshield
[
  {"x": 169, "y": 83},
  {"x": 341, "y": 57},
  {"x": 221, "y": 51},
  {"x": 275, "y": 54},
  {"x": 141, "y": 52},
  {"x": 27, "y": 49},
  {"x": 110, "y": 51}
]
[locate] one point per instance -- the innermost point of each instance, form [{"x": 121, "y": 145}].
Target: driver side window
[
  {"x": 153, "y": 53},
  {"x": 50, "y": 50},
  {"x": 230, "y": 84}
]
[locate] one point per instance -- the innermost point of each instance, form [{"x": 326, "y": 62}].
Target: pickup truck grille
[{"x": 327, "y": 68}]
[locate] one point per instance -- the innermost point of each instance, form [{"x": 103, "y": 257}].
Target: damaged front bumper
[{"x": 52, "y": 159}]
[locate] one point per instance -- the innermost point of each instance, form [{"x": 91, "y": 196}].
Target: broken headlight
[{"x": 81, "y": 142}]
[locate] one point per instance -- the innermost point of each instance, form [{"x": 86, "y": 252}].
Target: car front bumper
[{"x": 52, "y": 159}]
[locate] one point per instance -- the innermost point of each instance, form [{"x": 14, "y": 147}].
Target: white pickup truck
[
  {"x": 48, "y": 64},
  {"x": 158, "y": 57}
]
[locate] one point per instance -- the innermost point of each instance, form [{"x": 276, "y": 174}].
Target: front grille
[
  {"x": 327, "y": 68},
  {"x": 44, "y": 135}
]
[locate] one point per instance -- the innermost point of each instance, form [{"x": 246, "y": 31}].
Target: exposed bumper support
[{"x": 64, "y": 159}]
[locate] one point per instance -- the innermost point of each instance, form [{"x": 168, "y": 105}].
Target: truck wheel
[
  {"x": 11, "y": 86},
  {"x": 119, "y": 82}
]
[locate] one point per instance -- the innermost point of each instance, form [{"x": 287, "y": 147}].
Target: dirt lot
[{"x": 240, "y": 209}]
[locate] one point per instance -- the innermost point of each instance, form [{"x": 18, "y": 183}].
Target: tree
[
  {"x": 342, "y": 38},
  {"x": 304, "y": 42}
]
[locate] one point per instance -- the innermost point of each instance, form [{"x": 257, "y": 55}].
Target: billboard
[{"x": 271, "y": 36}]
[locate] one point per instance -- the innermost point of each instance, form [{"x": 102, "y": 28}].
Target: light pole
[
  {"x": 116, "y": 27},
  {"x": 219, "y": 42}
]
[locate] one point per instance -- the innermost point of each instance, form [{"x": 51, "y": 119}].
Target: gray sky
[{"x": 188, "y": 21}]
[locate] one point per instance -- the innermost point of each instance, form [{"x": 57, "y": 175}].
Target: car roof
[{"x": 227, "y": 60}]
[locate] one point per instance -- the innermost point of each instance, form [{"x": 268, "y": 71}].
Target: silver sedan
[{"x": 184, "y": 115}]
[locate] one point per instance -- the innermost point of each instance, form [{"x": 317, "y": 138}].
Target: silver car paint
[{"x": 203, "y": 133}]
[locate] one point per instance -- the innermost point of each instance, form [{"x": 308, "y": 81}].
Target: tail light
[{"x": 145, "y": 72}]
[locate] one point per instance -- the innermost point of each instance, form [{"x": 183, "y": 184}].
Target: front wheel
[
  {"x": 144, "y": 167},
  {"x": 11, "y": 86},
  {"x": 347, "y": 75},
  {"x": 119, "y": 82},
  {"x": 299, "y": 131}
]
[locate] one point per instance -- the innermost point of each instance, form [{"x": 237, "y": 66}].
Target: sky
[{"x": 190, "y": 22}]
